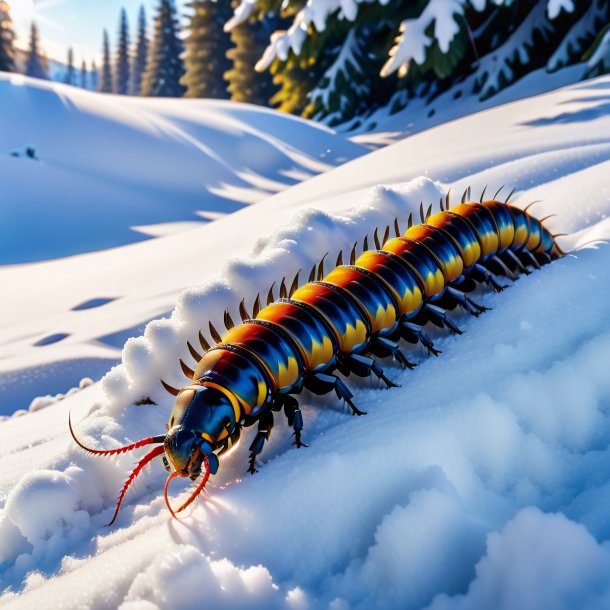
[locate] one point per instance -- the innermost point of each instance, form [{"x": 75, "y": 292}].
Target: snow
[
  {"x": 107, "y": 164},
  {"x": 481, "y": 482}
]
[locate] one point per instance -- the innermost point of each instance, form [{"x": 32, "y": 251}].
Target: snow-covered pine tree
[
  {"x": 141, "y": 52},
  {"x": 84, "y": 77},
  {"x": 597, "y": 57},
  {"x": 121, "y": 68},
  {"x": 105, "y": 80},
  {"x": 70, "y": 76},
  {"x": 581, "y": 35},
  {"x": 164, "y": 67},
  {"x": 489, "y": 42},
  {"x": 245, "y": 83},
  {"x": 36, "y": 63},
  {"x": 206, "y": 50},
  {"x": 7, "y": 38}
]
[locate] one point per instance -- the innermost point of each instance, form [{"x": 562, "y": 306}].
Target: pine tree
[
  {"x": 488, "y": 44},
  {"x": 83, "y": 75},
  {"x": 164, "y": 66},
  {"x": 105, "y": 81},
  {"x": 206, "y": 50},
  {"x": 36, "y": 64},
  {"x": 69, "y": 77},
  {"x": 95, "y": 77},
  {"x": 121, "y": 70},
  {"x": 139, "y": 61},
  {"x": 245, "y": 83},
  {"x": 7, "y": 38}
]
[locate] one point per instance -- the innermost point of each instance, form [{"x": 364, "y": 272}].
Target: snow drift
[{"x": 105, "y": 164}]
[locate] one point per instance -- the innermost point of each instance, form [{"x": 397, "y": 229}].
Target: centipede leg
[
  {"x": 509, "y": 257},
  {"x": 528, "y": 258},
  {"x": 295, "y": 419},
  {"x": 383, "y": 347},
  {"x": 467, "y": 303},
  {"x": 482, "y": 274},
  {"x": 363, "y": 366},
  {"x": 320, "y": 383},
  {"x": 265, "y": 425},
  {"x": 497, "y": 266},
  {"x": 438, "y": 316},
  {"x": 414, "y": 333}
]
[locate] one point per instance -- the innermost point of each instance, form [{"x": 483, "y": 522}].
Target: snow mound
[{"x": 96, "y": 165}]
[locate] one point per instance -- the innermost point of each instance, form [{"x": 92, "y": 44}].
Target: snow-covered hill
[
  {"x": 101, "y": 166},
  {"x": 444, "y": 496}
]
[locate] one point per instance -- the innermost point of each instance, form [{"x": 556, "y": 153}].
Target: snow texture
[
  {"x": 484, "y": 481},
  {"x": 104, "y": 166}
]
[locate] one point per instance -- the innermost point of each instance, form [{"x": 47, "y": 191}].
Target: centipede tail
[{"x": 341, "y": 323}]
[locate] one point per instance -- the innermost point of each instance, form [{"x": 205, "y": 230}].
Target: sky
[{"x": 76, "y": 23}]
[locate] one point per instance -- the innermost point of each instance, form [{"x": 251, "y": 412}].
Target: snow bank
[{"x": 294, "y": 248}]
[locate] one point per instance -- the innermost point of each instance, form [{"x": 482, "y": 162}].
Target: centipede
[{"x": 338, "y": 324}]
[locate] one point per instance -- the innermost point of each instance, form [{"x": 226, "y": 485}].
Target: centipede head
[{"x": 188, "y": 449}]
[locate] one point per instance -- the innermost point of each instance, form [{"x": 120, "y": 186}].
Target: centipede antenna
[
  {"x": 228, "y": 320},
  {"x": 365, "y": 243},
  {"x": 510, "y": 195},
  {"x": 243, "y": 312},
  {"x": 312, "y": 274},
  {"x": 559, "y": 235},
  {"x": 448, "y": 199},
  {"x": 386, "y": 236},
  {"x": 204, "y": 344},
  {"x": 529, "y": 205},
  {"x": 421, "y": 211},
  {"x": 135, "y": 472},
  {"x": 270, "y": 297},
  {"x": 295, "y": 284},
  {"x": 168, "y": 388},
  {"x": 428, "y": 212},
  {"x": 321, "y": 268},
  {"x": 257, "y": 306},
  {"x": 410, "y": 221},
  {"x": 339, "y": 259},
  {"x": 483, "y": 194},
  {"x": 214, "y": 333},
  {"x": 187, "y": 370},
  {"x": 498, "y": 192},
  {"x": 193, "y": 352},
  {"x": 396, "y": 228},
  {"x": 352, "y": 256},
  {"x": 376, "y": 239},
  {"x": 546, "y": 218},
  {"x": 283, "y": 289},
  {"x": 464, "y": 196},
  {"x": 151, "y": 440}
]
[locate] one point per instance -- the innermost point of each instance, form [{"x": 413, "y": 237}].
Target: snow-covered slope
[
  {"x": 443, "y": 496},
  {"x": 108, "y": 164}
]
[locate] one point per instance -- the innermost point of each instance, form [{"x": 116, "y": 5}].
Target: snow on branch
[
  {"x": 242, "y": 13},
  {"x": 580, "y": 33},
  {"x": 413, "y": 41},
  {"x": 496, "y": 69},
  {"x": 316, "y": 13},
  {"x": 328, "y": 96}
]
